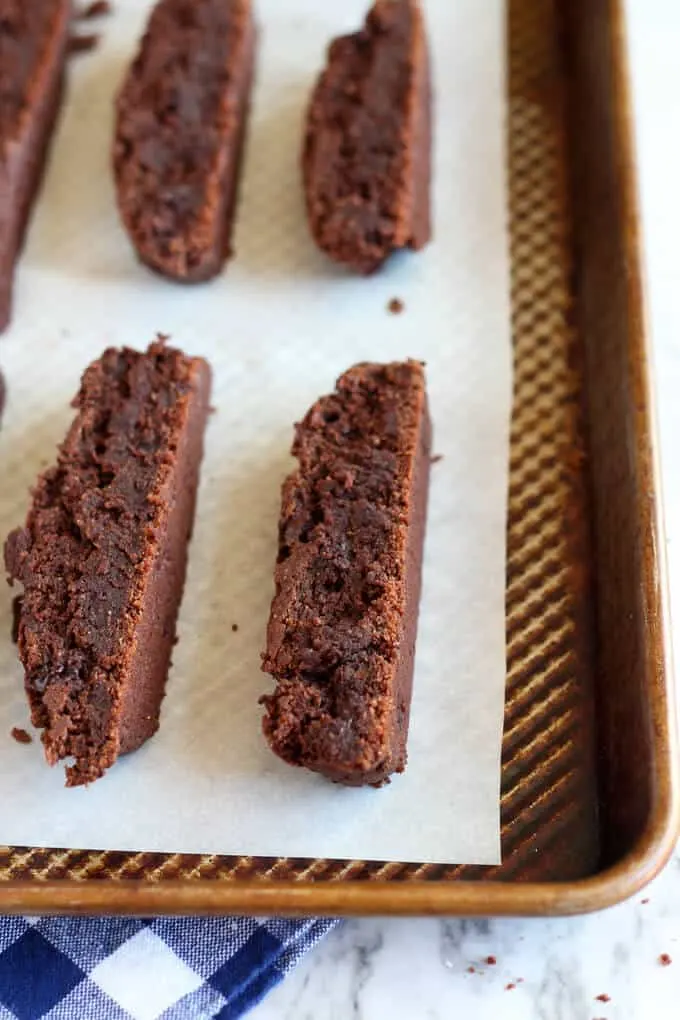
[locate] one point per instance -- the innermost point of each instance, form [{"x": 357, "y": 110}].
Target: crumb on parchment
[
  {"x": 96, "y": 9},
  {"x": 83, "y": 43}
]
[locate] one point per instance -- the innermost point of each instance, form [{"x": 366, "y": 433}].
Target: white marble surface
[{"x": 417, "y": 970}]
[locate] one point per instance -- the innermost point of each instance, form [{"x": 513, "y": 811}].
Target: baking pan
[{"x": 589, "y": 799}]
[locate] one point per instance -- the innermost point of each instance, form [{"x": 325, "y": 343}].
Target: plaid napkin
[{"x": 127, "y": 969}]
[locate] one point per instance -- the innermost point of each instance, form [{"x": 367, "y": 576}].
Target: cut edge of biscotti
[
  {"x": 102, "y": 556},
  {"x": 26, "y": 137},
  {"x": 356, "y": 217},
  {"x": 343, "y": 623},
  {"x": 181, "y": 225}
]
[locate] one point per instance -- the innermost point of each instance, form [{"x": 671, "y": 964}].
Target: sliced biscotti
[
  {"x": 33, "y": 43},
  {"x": 102, "y": 556},
  {"x": 342, "y": 632},
  {"x": 366, "y": 159},
  {"x": 180, "y": 129}
]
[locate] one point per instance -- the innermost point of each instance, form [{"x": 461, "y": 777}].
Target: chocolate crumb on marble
[
  {"x": 342, "y": 630},
  {"x": 396, "y": 306}
]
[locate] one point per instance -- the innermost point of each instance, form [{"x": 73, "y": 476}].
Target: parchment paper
[{"x": 278, "y": 327}]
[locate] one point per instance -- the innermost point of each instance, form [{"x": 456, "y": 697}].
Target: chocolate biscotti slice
[
  {"x": 367, "y": 154},
  {"x": 342, "y": 631},
  {"x": 33, "y": 42},
  {"x": 103, "y": 555},
  {"x": 180, "y": 131}
]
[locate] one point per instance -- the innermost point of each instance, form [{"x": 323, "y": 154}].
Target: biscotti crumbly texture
[
  {"x": 180, "y": 131},
  {"x": 33, "y": 41},
  {"x": 342, "y": 631},
  {"x": 367, "y": 154},
  {"x": 102, "y": 557}
]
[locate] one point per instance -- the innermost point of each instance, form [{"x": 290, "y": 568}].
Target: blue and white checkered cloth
[{"x": 126, "y": 969}]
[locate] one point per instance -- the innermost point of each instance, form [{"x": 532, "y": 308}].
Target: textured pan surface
[{"x": 549, "y": 790}]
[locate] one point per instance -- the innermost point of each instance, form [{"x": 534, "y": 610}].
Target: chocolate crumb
[
  {"x": 234, "y": 627},
  {"x": 603, "y": 997},
  {"x": 646, "y": 900},
  {"x": 21, "y": 736},
  {"x": 83, "y": 43},
  {"x": 471, "y": 969},
  {"x": 437, "y": 457},
  {"x": 665, "y": 960},
  {"x": 396, "y": 306},
  {"x": 491, "y": 960},
  {"x": 97, "y": 9},
  {"x": 16, "y": 617},
  {"x": 510, "y": 987}
]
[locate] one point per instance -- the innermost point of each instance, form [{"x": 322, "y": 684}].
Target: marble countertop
[
  {"x": 547, "y": 970},
  {"x": 544, "y": 970}
]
